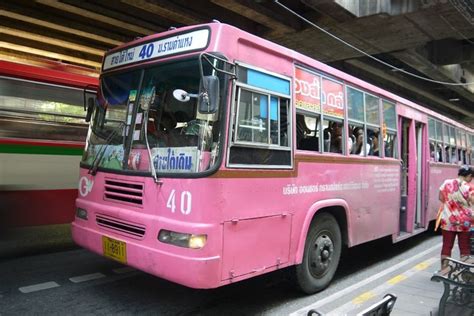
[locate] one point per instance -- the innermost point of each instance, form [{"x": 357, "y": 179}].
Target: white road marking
[
  {"x": 124, "y": 270},
  {"x": 86, "y": 277},
  {"x": 38, "y": 287},
  {"x": 378, "y": 291},
  {"x": 76, "y": 279},
  {"x": 335, "y": 296}
]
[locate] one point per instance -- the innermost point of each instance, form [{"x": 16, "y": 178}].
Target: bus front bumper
[{"x": 192, "y": 271}]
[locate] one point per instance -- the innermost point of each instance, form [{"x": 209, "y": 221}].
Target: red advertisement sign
[
  {"x": 333, "y": 98},
  {"x": 307, "y": 91}
]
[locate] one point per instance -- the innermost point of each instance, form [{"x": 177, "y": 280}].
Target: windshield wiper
[
  {"x": 150, "y": 157},
  {"x": 100, "y": 154}
]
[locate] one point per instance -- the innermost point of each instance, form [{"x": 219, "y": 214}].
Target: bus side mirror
[
  {"x": 90, "y": 109},
  {"x": 209, "y": 98}
]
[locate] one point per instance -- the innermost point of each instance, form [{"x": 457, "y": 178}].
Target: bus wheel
[{"x": 321, "y": 254}]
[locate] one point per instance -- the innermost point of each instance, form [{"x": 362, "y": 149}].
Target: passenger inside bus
[
  {"x": 439, "y": 152},
  {"x": 181, "y": 119},
  {"x": 454, "y": 156},
  {"x": 173, "y": 124},
  {"x": 432, "y": 151},
  {"x": 447, "y": 157},
  {"x": 350, "y": 141},
  {"x": 436, "y": 152},
  {"x": 336, "y": 137},
  {"x": 301, "y": 129},
  {"x": 326, "y": 139},
  {"x": 358, "y": 148},
  {"x": 162, "y": 129},
  {"x": 195, "y": 129},
  {"x": 374, "y": 141},
  {"x": 304, "y": 139},
  {"x": 462, "y": 156}
]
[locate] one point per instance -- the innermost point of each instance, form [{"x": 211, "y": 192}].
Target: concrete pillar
[{"x": 371, "y": 7}]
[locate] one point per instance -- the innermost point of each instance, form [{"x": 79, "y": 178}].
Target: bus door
[
  {"x": 411, "y": 152},
  {"x": 419, "y": 131}
]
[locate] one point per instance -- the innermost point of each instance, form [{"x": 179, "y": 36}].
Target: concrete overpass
[{"x": 430, "y": 38}]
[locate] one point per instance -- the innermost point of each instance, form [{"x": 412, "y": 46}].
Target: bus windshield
[{"x": 152, "y": 115}]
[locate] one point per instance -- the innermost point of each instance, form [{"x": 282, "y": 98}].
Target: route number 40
[
  {"x": 185, "y": 202},
  {"x": 146, "y": 51}
]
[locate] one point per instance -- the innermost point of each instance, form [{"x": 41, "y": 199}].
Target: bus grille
[
  {"x": 120, "y": 226},
  {"x": 127, "y": 192}
]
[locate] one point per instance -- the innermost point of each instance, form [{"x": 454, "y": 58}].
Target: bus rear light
[
  {"x": 81, "y": 213},
  {"x": 182, "y": 239}
]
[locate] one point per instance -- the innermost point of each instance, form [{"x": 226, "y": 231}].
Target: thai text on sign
[{"x": 312, "y": 91}]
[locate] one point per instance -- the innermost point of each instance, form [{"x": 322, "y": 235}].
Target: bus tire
[{"x": 321, "y": 256}]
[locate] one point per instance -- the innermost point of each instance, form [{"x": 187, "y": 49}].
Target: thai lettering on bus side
[
  {"x": 177, "y": 43},
  {"x": 308, "y": 89},
  {"x": 171, "y": 45},
  {"x": 174, "y": 159},
  {"x": 333, "y": 99},
  {"x": 185, "y": 202},
  {"x": 123, "y": 56},
  {"x": 291, "y": 189}
]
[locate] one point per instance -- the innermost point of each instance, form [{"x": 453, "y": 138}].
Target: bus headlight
[
  {"x": 81, "y": 213},
  {"x": 182, "y": 240}
]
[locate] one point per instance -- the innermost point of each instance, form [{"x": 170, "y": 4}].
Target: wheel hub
[{"x": 321, "y": 256}]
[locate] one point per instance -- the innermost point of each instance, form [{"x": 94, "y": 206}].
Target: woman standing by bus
[{"x": 457, "y": 196}]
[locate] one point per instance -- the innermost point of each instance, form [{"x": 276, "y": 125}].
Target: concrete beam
[
  {"x": 452, "y": 73},
  {"x": 258, "y": 14},
  {"x": 450, "y": 51},
  {"x": 49, "y": 54},
  {"x": 167, "y": 10},
  {"x": 96, "y": 16},
  {"x": 392, "y": 7},
  {"x": 58, "y": 27},
  {"x": 51, "y": 41}
]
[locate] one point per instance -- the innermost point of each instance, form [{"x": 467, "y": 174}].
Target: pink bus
[{"x": 214, "y": 156}]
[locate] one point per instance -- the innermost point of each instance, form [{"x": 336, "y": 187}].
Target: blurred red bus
[{"x": 42, "y": 134}]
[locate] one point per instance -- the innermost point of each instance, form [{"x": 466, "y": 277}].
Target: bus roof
[
  {"x": 50, "y": 73},
  {"x": 240, "y": 46}
]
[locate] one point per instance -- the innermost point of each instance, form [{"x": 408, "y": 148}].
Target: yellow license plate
[{"x": 114, "y": 249}]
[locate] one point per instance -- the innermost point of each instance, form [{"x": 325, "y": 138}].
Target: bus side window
[
  {"x": 439, "y": 153},
  {"x": 301, "y": 129},
  {"x": 447, "y": 154},
  {"x": 390, "y": 147},
  {"x": 360, "y": 147},
  {"x": 432, "y": 152},
  {"x": 462, "y": 156},
  {"x": 46, "y": 112},
  {"x": 374, "y": 137},
  {"x": 333, "y": 136},
  {"x": 327, "y": 136},
  {"x": 454, "y": 155},
  {"x": 307, "y": 132}
]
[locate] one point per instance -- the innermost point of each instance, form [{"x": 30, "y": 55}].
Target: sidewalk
[{"x": 416, "y": 294}]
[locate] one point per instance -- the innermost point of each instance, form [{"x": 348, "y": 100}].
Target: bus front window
[
  {"x": 106, "y": 137},
  {"x": 151, "y": 125}
]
